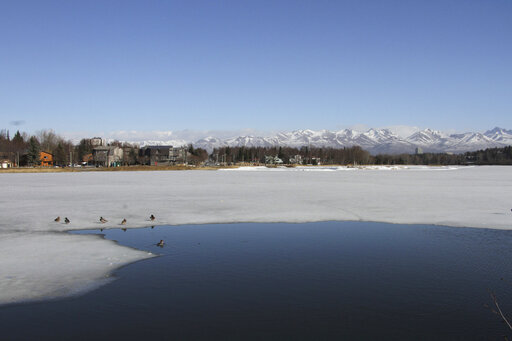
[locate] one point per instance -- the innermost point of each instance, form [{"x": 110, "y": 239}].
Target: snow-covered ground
[
  {"x": 36, "y": 261},
  {"x": 337, "y": 168}
]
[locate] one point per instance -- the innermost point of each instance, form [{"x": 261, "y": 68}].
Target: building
[
  {"x": 130, "y": 154},
  {"x": 180, "y": 155},
  {"x": 155, "y": 155},
  {"x": 6, "y": 163},
  {"x": 316, "y": 161},
  {"x": 296, "y": 160},
  {"x": 5, "y": 160},
  {"x": 109, "y": 156},
  {"x": 163, "y": 155},
  {"x": 273, "y": 160},
  {"x": 96, "y": 142},
  {"x": 418, "y": 151},
  {"x": 46, "y": 159}
]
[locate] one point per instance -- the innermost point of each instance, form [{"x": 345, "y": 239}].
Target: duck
[
  {"x": 152, "y": 218},
  {"x": 66, "y": 220},
  {"x": 160, "y": 243},
  {"x": 57, "y": 219},
  {"x": 123, "y": 222},
  {"x": 103, "y": 220}
]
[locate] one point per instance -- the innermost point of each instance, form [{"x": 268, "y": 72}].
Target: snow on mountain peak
[{"x": 374, "y": 140}]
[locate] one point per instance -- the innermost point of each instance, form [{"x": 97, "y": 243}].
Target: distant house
[
  {"x": 180, "y": 155},
  {"x": 273, "y": 160},
  {"x": 316, "y": 161},
  {"x": 163, "y": 155},
  {"x": 155, "y": 155},
  {"x": 5, "y": 163},
  {"x": 297, "y": 159},
  {"x": 46, "y": 159},
  {"x": 5, "y": 160},
  {"x": 130, "y": 154},
  {"x": 109, "y": 156}
]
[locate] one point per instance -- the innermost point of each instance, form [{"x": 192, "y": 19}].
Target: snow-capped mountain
[
  {"x": 500, "y": 135},
  {"x": 470, "y": 141},
  {"x": 162, "y": 143},
  {"x": 209, "y": 143},
  {"x": 376, "y": 141},
  {"x": 427, "y": 137}
]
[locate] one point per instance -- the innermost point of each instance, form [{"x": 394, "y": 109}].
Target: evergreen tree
[
  {"x": 59, "y": 155},
  {"x": 33, "y": 156},
  {"x": 18, "y": 139}
]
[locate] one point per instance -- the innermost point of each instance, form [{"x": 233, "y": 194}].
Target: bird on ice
[
  {"x": 103, "y": 220},
  {"x": 66, "y": 220},
  {"x": 160, "y": 243},
  {"x": 57, "y": 219},
  {"x": 123, "y": 222},
  {"x": 152, "y": 218}
]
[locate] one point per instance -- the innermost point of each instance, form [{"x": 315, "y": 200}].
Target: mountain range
[{"x": 376, "y": 141}]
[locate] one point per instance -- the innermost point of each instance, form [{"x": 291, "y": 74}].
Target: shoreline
[{"x": 211, "y": 168}]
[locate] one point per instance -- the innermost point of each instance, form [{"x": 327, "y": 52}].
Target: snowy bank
[
  {"x": 49, "y": 265},
  {"x": 473, "y": 197}
]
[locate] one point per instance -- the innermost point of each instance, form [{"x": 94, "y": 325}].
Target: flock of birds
[{"x": 161, "y": 243}]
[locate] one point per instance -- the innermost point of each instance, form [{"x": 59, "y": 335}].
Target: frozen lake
[
  {"x": 324, "y": 280},
  {"x": 38, "y": 262}
]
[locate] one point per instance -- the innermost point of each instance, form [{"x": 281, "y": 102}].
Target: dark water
[{"x": 314, "y": 281}]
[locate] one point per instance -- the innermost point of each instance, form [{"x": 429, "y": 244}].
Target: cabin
[{"x": 46, "y": 159}]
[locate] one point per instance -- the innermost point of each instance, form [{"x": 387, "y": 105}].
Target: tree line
[
  {"x": 24, "y": 149},
  {"x": 489, "y": 156},
  {"x": 307, "y": 155}
]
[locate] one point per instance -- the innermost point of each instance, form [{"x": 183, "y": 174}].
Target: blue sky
[{"x": 96, "y": 66}]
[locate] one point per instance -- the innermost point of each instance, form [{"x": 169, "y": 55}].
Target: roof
[
  {"x": 105, "y": 148},
  {"x": 157, "y": 147}
]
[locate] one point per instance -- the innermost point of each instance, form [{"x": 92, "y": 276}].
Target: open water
[{"x": 311, "y": 281}]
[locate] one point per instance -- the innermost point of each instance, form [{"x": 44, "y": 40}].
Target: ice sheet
[
  {"x": 467, "y": 196},
  {"x": 49, "y": 265},
  {"x": 473, "y": 196}
]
